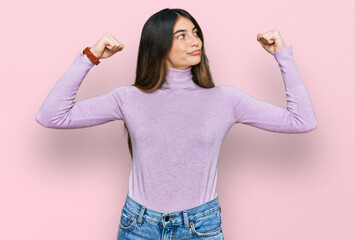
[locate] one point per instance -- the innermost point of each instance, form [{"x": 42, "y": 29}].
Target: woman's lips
[{"x": 196, "y": 52}]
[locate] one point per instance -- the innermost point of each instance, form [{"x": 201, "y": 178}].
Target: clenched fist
[
  {"x": 271, "y": 41},
  {"x": 106, "y": 46}
]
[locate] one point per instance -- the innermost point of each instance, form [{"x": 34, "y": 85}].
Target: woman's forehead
[{"x": 184, "y": 24}]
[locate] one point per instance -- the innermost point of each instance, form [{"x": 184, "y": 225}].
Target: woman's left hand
[{"x": 271, "y": 41}]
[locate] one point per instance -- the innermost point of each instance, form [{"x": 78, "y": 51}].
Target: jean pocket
[
  {"x": 128, "y": 220},
  {"x": 208, "y": 225}
]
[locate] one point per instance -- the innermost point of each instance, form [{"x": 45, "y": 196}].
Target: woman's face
[{"x": 185, "y": 40}]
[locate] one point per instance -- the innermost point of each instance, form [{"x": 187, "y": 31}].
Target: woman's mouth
[{"x": 196, "y": 52}]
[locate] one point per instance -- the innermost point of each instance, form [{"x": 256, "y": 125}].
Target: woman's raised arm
[
  {"x": 298, "y": 117},
  {"x": 59, "y": 110}
]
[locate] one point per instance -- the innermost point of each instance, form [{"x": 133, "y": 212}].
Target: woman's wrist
[
  {"x": 88, "y": 53},
  {"x": 93, "y": 52},
  {"x": 86, "y": 57}
]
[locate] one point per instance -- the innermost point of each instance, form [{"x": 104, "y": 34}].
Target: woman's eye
[{"x": 184, "y": 34}]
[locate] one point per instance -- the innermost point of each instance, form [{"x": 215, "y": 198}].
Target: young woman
[{"x": 176, "y": 120}]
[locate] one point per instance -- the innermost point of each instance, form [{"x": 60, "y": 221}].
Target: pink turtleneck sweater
[{"x": 177, "y": 131}]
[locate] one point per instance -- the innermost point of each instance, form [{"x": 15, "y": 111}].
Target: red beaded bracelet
[{"x": 91, "y": 56}]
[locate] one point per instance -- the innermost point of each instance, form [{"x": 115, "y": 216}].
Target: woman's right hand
[{"x": 106, "y": 46}]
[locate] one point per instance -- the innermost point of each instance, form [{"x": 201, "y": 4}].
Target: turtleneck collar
[{"x": 179, "y": 79}]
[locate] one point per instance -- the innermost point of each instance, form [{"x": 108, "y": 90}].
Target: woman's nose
[{"x": 194, "y": 40}]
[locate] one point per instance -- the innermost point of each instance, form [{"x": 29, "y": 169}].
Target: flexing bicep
[
  {"x": 65, "y": 113},
  {"x": 297, "y": 117},
  {"x": 60, "y": 110}
]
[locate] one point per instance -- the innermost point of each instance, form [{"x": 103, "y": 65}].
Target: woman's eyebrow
[{"x": 183, "y": 30}]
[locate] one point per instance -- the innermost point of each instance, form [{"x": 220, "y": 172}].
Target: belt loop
[
  {"x": 219, "y": 203},
  {"x": 186, "y": 220},
  {"x": 140, "y": 219}
]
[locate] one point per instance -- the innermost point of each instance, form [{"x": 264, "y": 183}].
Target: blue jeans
[{"x": 201, "y": 222}]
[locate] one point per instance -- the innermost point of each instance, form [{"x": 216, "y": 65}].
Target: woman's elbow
[
  {"x": 43, "y": 121},
  {"x": 313, "y": 126},
  {"x": 308, "y": 127}
]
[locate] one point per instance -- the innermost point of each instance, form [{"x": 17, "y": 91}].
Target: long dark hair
[{"x": 155, "y": 44}]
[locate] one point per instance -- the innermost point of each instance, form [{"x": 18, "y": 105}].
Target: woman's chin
[{"x": 196, "y": 62}]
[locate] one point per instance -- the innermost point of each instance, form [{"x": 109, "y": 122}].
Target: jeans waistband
[{"x": 173, "y": 218}]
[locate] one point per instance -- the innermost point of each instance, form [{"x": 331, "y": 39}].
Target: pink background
[{"x": 71, "y": 184}]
